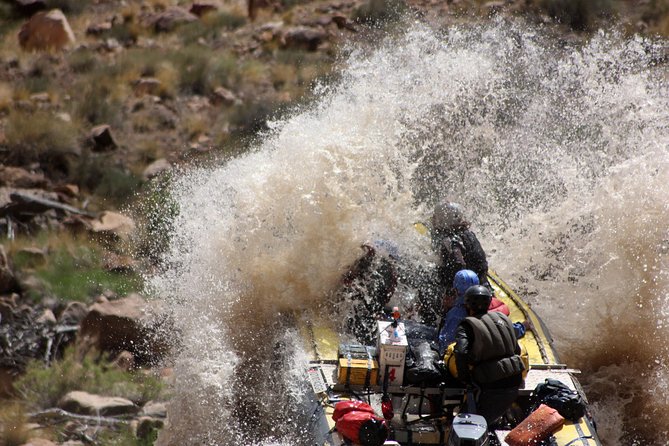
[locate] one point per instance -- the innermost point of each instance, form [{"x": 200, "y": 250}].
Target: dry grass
[
  {"x": 6, "y": 96},
  {"x": 13, "y": 431},
  {"x": 39, "y": 136}
]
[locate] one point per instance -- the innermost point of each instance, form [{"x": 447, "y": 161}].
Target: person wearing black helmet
[{"x": 487, "y": 355}]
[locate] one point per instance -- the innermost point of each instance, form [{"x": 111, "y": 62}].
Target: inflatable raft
[{"x": 437, "y": 414}]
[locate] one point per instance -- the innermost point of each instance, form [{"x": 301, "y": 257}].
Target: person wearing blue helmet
[{"x": 464, "y": 279}]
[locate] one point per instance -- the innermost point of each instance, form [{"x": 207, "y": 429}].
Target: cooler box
[
  {"x": 358, "y": 372},
  {"x": 392, "y": 347},
  {"x": 356, "y": 351}
]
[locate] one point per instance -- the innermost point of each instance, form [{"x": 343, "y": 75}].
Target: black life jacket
[{"x": 495, "y": 350}]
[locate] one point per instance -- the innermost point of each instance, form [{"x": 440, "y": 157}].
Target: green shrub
[
  {"x": 117, "y": 185},
  {"x": 43, "y": 386},
  {"x": 77, "y": 274},
  {"x": 95, "y": 101}
]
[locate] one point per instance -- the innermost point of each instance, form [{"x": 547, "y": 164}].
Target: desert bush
[
  {"x": 199, "y": 72},
  {"x": 252, "y": 117},
  {"x": 581, "y": 15},
  {"x": 43, "y": 386},
  {"x": 82, "y": 60},
  {"x": 117, "y": 185},
  {"x": 39, "y": 137},
  {"x": 95, "y": 101},
  {"x": 125, "y": 33},
  {"x": 210, "y": 26}
]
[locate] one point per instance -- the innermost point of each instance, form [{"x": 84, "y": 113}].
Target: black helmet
[
  {"x": 478, "y": 298},
  {"x": 373, "y": 433}
]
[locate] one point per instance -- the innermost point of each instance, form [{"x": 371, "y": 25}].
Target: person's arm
[
  {"x": 463, "y": 339},
  {"x": 447, "y": 333}
]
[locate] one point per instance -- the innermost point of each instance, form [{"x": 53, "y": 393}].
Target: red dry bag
[
  {"x": 363, "y": 428},
  {"x": 344, "y": 407}
]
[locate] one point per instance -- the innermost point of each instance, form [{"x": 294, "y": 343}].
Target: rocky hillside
[{"x": 99, "y": 101}]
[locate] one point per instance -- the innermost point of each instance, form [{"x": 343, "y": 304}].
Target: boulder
[
  {"x": 21, "y": 178},
  {"x": 113, "y": 225},
  {"x": 84, "y": 403},
  {"x": 154, "y": 409},
  {"x": 147, "y": 85},
  {"x": 201, "y": 8},
  {"x": 118, "y": 262},
  {"x": 46, "y": 31},
  {"x": 30, "y": 257},
  {"x": 46, "y": 318},
  {"x": 156, "y": 168},
  {"x": 40, "y": 98},
  {"x": 303, "y": 37},
  {"x": 73, "y": 314},
  {"x": 224, "y": 96},
  {"x": 101, "y": 139},
  {"x": 26, "y": 203},
  {"x": 96, "y": 29},
  {"x": 124, "y": 324},
  {"x": 171, "y": 18}
]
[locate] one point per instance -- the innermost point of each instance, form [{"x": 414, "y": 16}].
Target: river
[{"x": 559, "y": 153}]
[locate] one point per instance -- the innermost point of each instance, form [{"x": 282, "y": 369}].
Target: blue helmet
[{"x": 464, "y": 279}]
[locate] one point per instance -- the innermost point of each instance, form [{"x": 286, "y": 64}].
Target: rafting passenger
[
  {"x": 487, "y": 355},
  {"x": 369, "y": 284},
  {"x": 464, "y": 279},
  {"x": 458, "y": 248}
]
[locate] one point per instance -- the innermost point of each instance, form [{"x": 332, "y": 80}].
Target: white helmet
[{"x": 448, "y": 215}]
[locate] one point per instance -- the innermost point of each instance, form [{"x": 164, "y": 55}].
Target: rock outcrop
[
  {"x": 123, "y": 324},
  {"x": 46, "y": 31},
  {"x": 84, "y": 403}
]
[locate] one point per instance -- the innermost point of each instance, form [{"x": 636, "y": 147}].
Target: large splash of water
[{"x": 560, "y": 155}]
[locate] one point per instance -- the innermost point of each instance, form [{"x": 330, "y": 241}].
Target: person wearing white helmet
[{"x": 457, "y": 246}]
